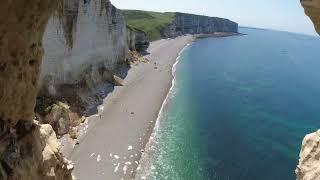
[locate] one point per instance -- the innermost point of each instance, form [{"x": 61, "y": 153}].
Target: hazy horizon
[{"x": 270, "y": 14}]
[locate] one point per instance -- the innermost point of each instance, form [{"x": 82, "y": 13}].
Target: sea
[{"x": 238, "y": 109}]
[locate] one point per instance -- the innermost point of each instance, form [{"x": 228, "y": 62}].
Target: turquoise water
[{"x": 239, "y": 109}]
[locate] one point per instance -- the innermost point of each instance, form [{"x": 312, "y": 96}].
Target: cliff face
[
  {"x": 309, "y": 162},
  {"x": 137, "y": 40},
  {"x": 27, "y": 150},
  {"x": 196, "y": 24},
  {"x": 70, "y": 47},
  {"x": 159, "y": 25},
  {"x": 82, "y": 36},
  {"x": 85, "y": 42},
  {"x": 22, "y": 27}
]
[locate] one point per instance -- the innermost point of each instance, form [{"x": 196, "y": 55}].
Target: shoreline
[
  {"x": 123, "y": 160},
  {"x": 153, "y": 131},
  {"x": 156, "y": 125},
  {"x": 98, "y": 161},
  {"x": 147, "y": 165}
]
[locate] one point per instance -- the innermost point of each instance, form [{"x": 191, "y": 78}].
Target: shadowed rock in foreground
[
  {"x": 65, "y": 48},
  {"x": 312, "y": 9},
  {"x": 309, "y": 162},
  {"x": 28, "y": 151}
]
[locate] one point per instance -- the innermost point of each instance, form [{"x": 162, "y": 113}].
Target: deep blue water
[{"x": 239, "y": 109}]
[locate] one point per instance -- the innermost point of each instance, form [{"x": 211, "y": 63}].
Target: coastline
[
  {"x": 218, "y": 35},
  {"x": 143, "y": 162},
  {"x": 126, "y": 107}
]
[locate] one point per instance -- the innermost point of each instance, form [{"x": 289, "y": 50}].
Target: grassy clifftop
[{"x": 152, "y": 23}]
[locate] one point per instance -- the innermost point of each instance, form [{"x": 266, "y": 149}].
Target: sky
[{"x": 284, "y": 15}]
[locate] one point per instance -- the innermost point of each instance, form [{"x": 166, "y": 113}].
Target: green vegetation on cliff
[{"x": 152, "y": 23}]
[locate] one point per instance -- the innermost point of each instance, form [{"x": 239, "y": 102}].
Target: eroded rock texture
[
  {"x": 312, "y": 9},
  {"x": 196, "y": 24},
  {"x": 82, "y": 36},
  {"x": 309, "y": 162},
  {"x": 137, "y": 40},
  {"x": 28, "y": 151},
  {"x": 22, "y": 24},
  {"x": 85, "y": 43},
  {"x": 31, "y": 152}
]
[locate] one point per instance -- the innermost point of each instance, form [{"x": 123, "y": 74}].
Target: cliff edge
[
  {"x": 309, "y": 161},
  {"x": 158, "y": 25},
  {"x": 196, "y": 24}
]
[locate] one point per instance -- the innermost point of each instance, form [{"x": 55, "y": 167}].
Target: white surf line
[
  {"x": 170, "y": 90},
  {"x": 157, "y": 125}
]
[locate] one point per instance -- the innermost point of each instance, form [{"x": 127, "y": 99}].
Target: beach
[{"x": 116, "y": 137}]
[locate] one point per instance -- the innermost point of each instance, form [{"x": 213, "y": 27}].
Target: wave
[{"x": 145, "y": 168}]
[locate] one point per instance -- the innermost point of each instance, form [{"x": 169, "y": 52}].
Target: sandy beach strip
[{"x": 112, "y": 147}]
